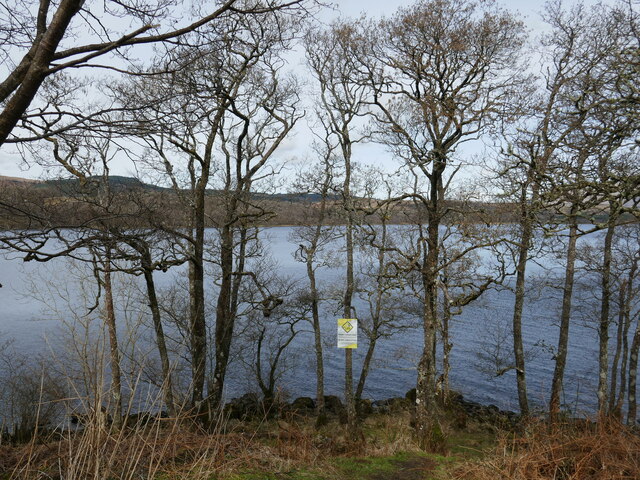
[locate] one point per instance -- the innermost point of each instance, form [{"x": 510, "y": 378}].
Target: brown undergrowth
[
  {"x": 169, "y": 448},
  {"x": 576, "y": 450}
]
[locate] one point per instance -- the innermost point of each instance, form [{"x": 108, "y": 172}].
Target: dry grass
[
  {"x": 170, "y": 448},
  {"x": 101, "y": 452},
  {"x": 572, "y": 451}
]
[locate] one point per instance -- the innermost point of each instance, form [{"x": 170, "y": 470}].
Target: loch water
[{"x": 38, "y": 302}]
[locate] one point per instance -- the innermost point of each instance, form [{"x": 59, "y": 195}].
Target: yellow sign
[{"x": 347, "y": 333}]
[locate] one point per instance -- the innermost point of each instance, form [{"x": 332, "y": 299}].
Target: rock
[
  {"x": 245, "y": 407},
  {"x": 143, "y": 418},
  {"x": 303, "y": 403},
  {"x": 333, "y": 404}
]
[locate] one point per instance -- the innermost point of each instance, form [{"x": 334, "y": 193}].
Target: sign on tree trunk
[{"x": 347, "y": 333}]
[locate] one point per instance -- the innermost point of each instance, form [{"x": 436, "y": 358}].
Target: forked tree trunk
[
  {"x": 198, "y": 327},
  {"x": 224, "y": 318},
  {"x": 615, "y": 372}
]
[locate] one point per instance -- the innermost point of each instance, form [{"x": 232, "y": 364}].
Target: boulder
[
  {"x": 333, "y": 404},
  {"x": 245, "y": 407},
  {"x": 303, "y": 403}
]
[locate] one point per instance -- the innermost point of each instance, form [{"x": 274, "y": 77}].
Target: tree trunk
[
  {"x": 196, "y": 293},
  {"x": 317, "y": 333},
  {"x": 428, "y": 429},
  {"x": 613, "y": 390},
  {"x": 110, "y": 319},
  {"x": 626, "y": 315},
  {"x": 366, "y": 366},
  {"x": 167, "y": 384},
  {"x": 633, "y": 352},
  {"x": 526, "y": 235},
  {"x": 603, "y": 330},
  {"x": 446, "y": 349},
  {"x": 198, "y": 333},
  {"x": 224, "y": 320},
  {"x": 348, "y": 298},
  {"x": 632, "y": 408},
  {"x": 565, "y": 319}
]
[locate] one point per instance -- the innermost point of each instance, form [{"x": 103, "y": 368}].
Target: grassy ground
[
  {"x": 283, "y": 449},
  {"x": 403, "y": 461},
  {"x": 292, "y": 448}
]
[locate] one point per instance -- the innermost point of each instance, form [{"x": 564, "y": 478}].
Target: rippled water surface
[{"x": 35, "y": 327}]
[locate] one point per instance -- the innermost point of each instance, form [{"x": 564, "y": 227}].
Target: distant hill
[
  {"x": 122, "y": 183},
  {"x": 116, "y": 183},
  {"x": 5, "y": 179},
  {"x": 67, "y": 201}
]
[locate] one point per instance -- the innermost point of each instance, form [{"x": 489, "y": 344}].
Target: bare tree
[
  {"x": 378, "y": 286},
  {"x": 464, "y": 274},
  {"x": 218, "y": 122},
  {"x": 313, "y": 241},
  {"x": 575, "y": 57},
  {"x": 341, "y": 102},
  {"x": 444, "y": 71},
  {"x": 40, "y": 49},
  {"x": 275, "y": 309}
]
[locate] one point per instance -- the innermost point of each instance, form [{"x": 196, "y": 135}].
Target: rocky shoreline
[{"x": 250, "y": 406}]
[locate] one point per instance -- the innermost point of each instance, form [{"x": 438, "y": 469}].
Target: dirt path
[{"x": 414, "y": 468}]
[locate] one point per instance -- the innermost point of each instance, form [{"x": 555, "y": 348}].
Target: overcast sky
[{"x": 296, "y": 148}]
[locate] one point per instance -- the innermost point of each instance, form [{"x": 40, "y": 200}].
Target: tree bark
[
  {"x": 632, "y": 409},
  {"x": 428, "y": 429},
  {"x": 317, "y": 332},
  {"x": 446, "y": 349},
  {"x": 38, "y": 67},
  {"x": 198, "y": 331},
  {"x": 526, "y": 235},
  {"x": 349, "y": 289},
  {"x": 366, "y": 366},
  {"x": 224, "y": 319},
  {"x": 620, "y": 330},
  {"x": 167, "y": 384},
  {"x": 114, "y": 350},
  {"x": 565, "y": 319},
  {"x": 198, "y": 334},
  {"x": 603, "y": 330}
]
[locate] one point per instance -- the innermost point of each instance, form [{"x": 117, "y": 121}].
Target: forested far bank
[{"x": 69, "y": 203}]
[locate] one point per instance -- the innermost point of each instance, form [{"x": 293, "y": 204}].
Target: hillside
[{"x": 132, "y": 203}]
